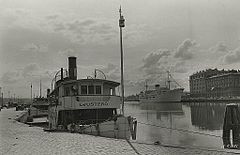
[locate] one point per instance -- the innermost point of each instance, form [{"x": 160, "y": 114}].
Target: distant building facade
[{"x": 214, "y": 83}]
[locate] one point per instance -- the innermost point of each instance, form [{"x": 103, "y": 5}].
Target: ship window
[
  {"x": 98, "y": 90},
  {"x": 74, "y": 89},
  {"x": 91, "y": 89},
  {"x": 83, "y": 89},
  {"x": 111, "y": 91},
  {"x": 67, "y": 91}
]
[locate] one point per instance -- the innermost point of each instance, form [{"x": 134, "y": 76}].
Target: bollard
[
  {"x": 133, "y": 127},
  {"x": 231, "y": 124},
  {"x": 134, "y": 136}
]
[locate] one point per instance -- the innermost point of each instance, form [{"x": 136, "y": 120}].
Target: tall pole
[
  {"x": 1, "y": 93},
  {"x": 9, "y": 97},
  {"x": 168, "y": 77},
  {"x": 40, "y": 95},
  {"x": 2, "y": 99},
  {"x": 121, "y": 25},
  {"x": 31, "y": 93}
]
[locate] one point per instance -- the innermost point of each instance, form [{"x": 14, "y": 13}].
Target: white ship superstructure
[{"x": 161, "y": 94}]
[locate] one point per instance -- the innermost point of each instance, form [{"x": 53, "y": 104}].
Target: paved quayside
[{"x": 18, "y": 138}]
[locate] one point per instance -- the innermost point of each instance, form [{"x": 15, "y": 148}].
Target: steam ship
[
  {"x": 88, "y": 106},
  {"x": 161, "y": 94}
]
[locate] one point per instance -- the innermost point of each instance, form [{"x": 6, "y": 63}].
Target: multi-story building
[{"x": 215, "y": 83}]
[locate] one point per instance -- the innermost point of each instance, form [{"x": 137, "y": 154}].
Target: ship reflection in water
[{"x": 156, "y": 119}]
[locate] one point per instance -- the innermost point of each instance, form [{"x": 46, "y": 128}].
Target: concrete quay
[{"x": 20, "y": 139}]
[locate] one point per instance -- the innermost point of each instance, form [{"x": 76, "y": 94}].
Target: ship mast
[
  {"x": 121, "y": 25},
  {"x": 168, "y": 79},
  {"x": 40, "y": 93},
  {"x": 146, "y": 86},
  {"x": 31, "y": 93}
]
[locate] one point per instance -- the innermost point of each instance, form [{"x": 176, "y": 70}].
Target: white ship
[{"x": 161, "y": 94}]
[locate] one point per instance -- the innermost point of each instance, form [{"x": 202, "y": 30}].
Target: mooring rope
[{"x": 132, "y": 147}]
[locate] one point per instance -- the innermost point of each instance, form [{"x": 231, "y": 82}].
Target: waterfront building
[{"x": 214, "y": 83}]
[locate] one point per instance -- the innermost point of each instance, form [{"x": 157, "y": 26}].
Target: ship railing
[
  {"x": 57, "y": 77},
  {"x": 81, "y": 126},
  {"x": 94, "y": 95}
]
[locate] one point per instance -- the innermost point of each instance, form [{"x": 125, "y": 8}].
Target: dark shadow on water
[{"x": 207, "y": 116}]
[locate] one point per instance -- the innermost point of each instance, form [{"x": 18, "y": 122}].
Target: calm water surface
[{"x": 205, "y": 118}]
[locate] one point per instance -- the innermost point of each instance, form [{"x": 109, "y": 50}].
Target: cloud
[
  {"x": 77, "y": 30},
  {"x": 68, "y": 52},
  {"x": 219, "y": 48},
  {"x": 30, "y": 70},
  {"x": 137, "y": 34},
  {"x": 78, "y": 25},
  {"x": 232, "y": 56},
  {"x": 135, "y": 86},
  {"x": 52, "y": 17},
  {"x": 10, "y": 16},
  {"x": 59, "y": 27},
  {"x": 184, "y": 50},
  {"x": 35, "y": 48},
  {"x": 111, "y": 71},
  {"x": 180, "y": 67},
  {"x": 155, "y": 65},
  {"x": 153, "y": 58},
  {"x": 87, "y": 30},
  {"x": 98, "y": 31},
  {"x": 10, "y": 77}
]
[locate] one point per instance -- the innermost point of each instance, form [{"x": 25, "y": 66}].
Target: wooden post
[{"x": 231, "y": 123}]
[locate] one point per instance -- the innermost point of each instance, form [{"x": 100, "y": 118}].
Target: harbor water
[{"x": 179, "y": 124}]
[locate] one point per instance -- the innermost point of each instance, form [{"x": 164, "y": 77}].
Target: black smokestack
[
  {"x": 72, "y": 68},
  {"x": 48, "y": 92},
  {"x": 61, "y": 73}
]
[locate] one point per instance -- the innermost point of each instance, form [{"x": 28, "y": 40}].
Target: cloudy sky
[{"x": 183, "y": 36}]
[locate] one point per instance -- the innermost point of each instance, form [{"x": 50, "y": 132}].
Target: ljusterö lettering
[{"x": 94, "y": 104}]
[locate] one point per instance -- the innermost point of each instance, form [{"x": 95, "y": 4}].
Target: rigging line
[
  {"x": 175, "y": 81},
  {"x": 182, "y": 130}
]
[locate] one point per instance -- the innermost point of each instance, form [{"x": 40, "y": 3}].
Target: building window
[
  {"x": 83, "y": 89},
  {"x": 98, "y": 90},
  {"x": 91, "y": 89}
]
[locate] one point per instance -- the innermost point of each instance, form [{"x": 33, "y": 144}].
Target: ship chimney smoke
[{"x": 72, "y": 68}]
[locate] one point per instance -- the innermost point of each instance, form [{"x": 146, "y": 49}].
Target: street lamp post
[
  {"x": 1, "y": 105},
  {"x": 121, "y": 25}
]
